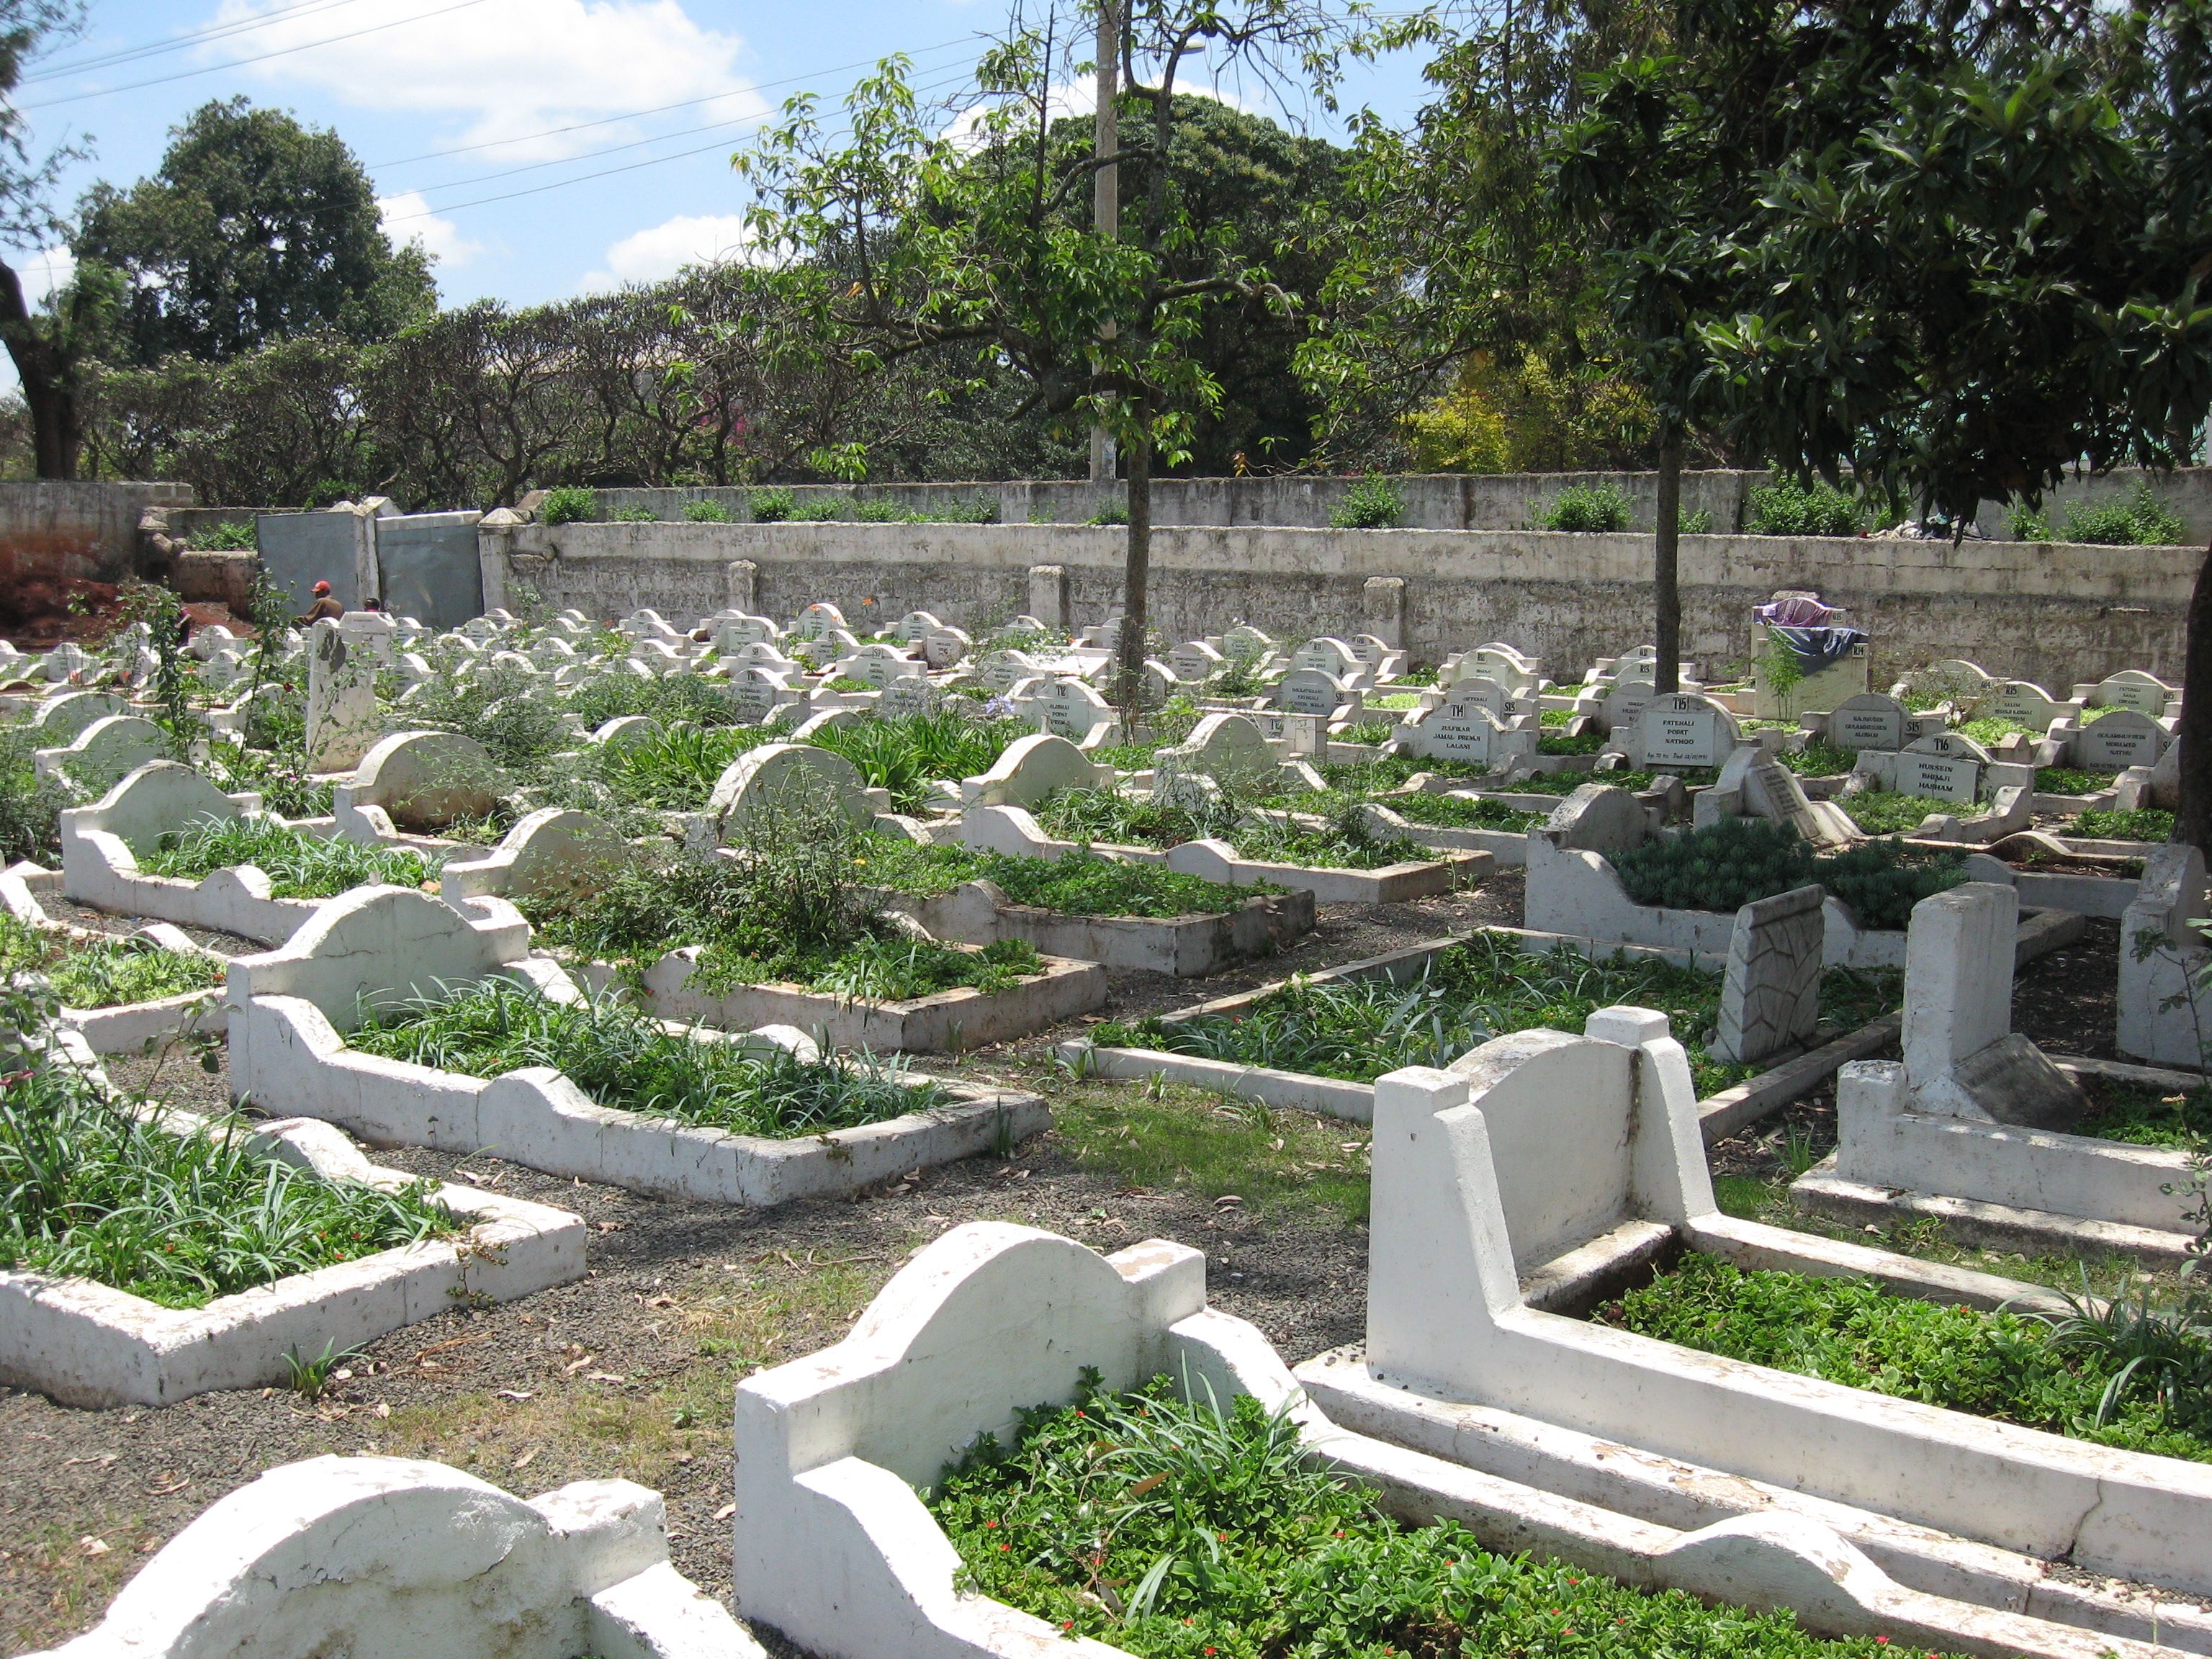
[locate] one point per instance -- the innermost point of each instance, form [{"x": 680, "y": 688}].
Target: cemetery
[
  {"x": 1153, "y": 844},
  {"x": 581, "y": 906}
]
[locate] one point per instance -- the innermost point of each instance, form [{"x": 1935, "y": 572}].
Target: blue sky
[{"x": 481, "y": 120}]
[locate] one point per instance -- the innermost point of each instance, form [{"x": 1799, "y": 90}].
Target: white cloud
[
  {"x": 665, "y": 248},
  {"x": 43, "y": 271},
  {"x": 407, "y": 218},
  {"x": 1071, "y": 98},
  {"x": 506, "y": 68}
]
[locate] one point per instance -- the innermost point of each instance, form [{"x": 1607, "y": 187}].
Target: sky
[{"x": 538, "y": 148}]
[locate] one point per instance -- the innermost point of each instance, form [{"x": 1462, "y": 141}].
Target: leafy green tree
[
  {"x": 254, "y": 228},
  {"x": 912, "y": 235},
  {"x": 2001, "y": 276}
]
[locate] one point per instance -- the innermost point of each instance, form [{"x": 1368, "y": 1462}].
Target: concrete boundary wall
[
  {"x": 85, "y": 530},
  {"x": 1434, "y": 501},
  {"x": 2052, "y": 613}
]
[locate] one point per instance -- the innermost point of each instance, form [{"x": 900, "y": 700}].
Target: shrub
[
  {"x": 625, "y": 1059},
  {"x": 1587, "y": 508},
  {"x": 233, "y": 535},
  {"x": 1372, "y": 503},
  {"x": 30, "y": 805},
  {"x": 2140, "y": 520},
  {"x": 567, "y": 504},
  {"x": 2071, "y": 781},
  {"x": 1792, "y": 509},
  {"x": 633, "y": 515},
  {"x": 1110, "y": 513},
  {"x": 706, "y": 511},
  {"x": 1730, "y": 863},
  {"x": 771, "y": 506}
]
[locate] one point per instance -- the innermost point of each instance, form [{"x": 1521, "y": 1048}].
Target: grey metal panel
[
  {"x": 427, "y": 566},
  {"x": 299, "y": 550}
]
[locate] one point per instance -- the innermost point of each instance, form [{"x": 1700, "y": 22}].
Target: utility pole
[{"x": 1105, "y": 187}]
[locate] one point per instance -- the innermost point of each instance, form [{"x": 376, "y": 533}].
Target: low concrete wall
[
  {"x": 1437, "y": 501},
  {"x": 84, "y": 529},
  {"x": 2054, "y": 614}
]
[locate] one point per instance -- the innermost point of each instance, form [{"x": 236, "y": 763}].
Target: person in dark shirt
[{"x": 324, "y": 605}]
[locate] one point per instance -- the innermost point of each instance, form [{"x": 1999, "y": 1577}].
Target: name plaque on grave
[
  {"x": 1869, "y": 722},
  {"x": 1944, "y": 777},
  {"x": 2116, "y": 741},
  {"x": 1680, "y": 729}
]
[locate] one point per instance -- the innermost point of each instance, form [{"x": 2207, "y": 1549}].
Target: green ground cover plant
[
  {"x": 297, "y": 866},
  {"x": 2071, "y": 781},
  {"x": 671, "y": 698},
  {"x": 2068, "y": 1376},
  {"x": 93, "y": 1191},
  {"x": 1079, "y": 884},
  {"x": 2139, "y": 823},
  {"x": 1461, "y": 812},
  {"x": 1583, "y": 743},
  {"x": 627, "y": 1062},
  {"x": 1818, "y": 759},
  {"x": 235, "y": 535},
  {"x": 906, "y": 755},
  {"x": 1342, "y": 840},
  {"x": 706, "y": 511},
  {"x": 676, "y": 768},
  {"x": 1176, "y": 1530},
  {"x": 1732, "y": 862},
  {"x": 1885, "y": 812},
  {"x": 1565, "y": 783},
  {"x": 567, "y": 504},
  {"x": 1792, "y": 509},
  {"x": 1372, "y": 503},
  {"x": 2149, "y": 1117},
  {"x": 1488, "y": 987},
  {"x": 1602, "y": 507},
  {"x": 101, "y": 973},
  {"x": 1377, "y": 773},
  {"x": 1374, "y": 734}
]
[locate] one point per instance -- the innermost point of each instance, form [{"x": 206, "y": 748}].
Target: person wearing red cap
[{"x": 324, "y": 605}]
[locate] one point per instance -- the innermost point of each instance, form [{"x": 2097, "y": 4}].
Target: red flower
[{"x": 988, "y": 1525}]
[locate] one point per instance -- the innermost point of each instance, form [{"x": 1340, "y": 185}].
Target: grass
[
  {"x": 1176, "y": 1530},
  {"x": 2014, "y": 1367},
  {"x": 1340, "y": 841},
  {"x": 2141, "y": 823},
  {"x": 1381, "y": 772},
  {"x": 104, "y": 973},
  {"x": 905, "y": 755},
  {"x": 2071, "y": 781},
  {"x": 2149, "y": 1117},
  {"x": 1885, "y": 812},
  {"x": 1487, "y": 987},
  {"x": 631, "y": 1063},
  {"x": 676, "y": 768},
  {"x": 1164, "y": 1136},
  {"x": 1461, "y": 812},
  {"x": 1082, "y": 883},
  {"x": 297, "y": 866},
  {"x": 95, "y": 1193},
  {"x": 1565, "y": 783}
]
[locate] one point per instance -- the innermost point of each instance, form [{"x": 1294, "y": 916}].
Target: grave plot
[
  {"x": 1318, "y": 1042},
  {"x": 1597, "y": 872},
  {"x": 151, "y": 1254},
  {"x": 1977, "y": 1128},
  {"x": 902, "y": 1487},
  {"x": 1086, "y": 906},
  {"x": 779, "y": 930},
  {"x": 166, "y": 842},
  {"x": 118, "y": 992},
  {"x": 1554, "y": 1171},
  {"x": 395, "y": 1015},
  {"x": 387, "y": 1554},
  {"x": 1339, "y": 860}
]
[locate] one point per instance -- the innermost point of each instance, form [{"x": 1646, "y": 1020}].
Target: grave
[
  {"x": 1460, "y": 728},
  {"x": 1680, "y": 730},
  {"x": 1310, "y": 691},
  {"x": 2123, "y": 738},
  {"x": 2132, "y": 689},
  {"x": 1869, "y": 720},
  {"x": 2023, "y": 703},
  {"x": 1069, "y": 708},
  {"x": 1227, "y": 748},
  {"x": 102, "y": 753},
  {"x": 342, "y": 721},
  {"x": 1622, "y": 704},
  {"x": 1770, "y": 990},
  {"x": 941, "y": 647}
]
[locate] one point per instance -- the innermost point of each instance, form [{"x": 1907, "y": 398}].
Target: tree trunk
[
  {"x": 1666, "y": 592},
  {"x": 2194, "y": 824},
  {"x": 49, "y": 381},
  {"x": 1129, "y": 692}
]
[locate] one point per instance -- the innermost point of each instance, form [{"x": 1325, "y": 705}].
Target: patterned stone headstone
[
  {"x": 733, "y": 634},
  {"x": 2113, "y": 742},
  {"x": 1458, "y": 729},
  {"x": 1485, "y": 693},
  {"x": 1310, "y": 691},
  {"x": 1770, "y": 992},
  {"x": 1502, "y": 664},
  {"x": 1869, "y": 720},
  {"x": 755, "y": 692},
  {"x": 1330, "y": 655},
  {"x": 1682, "y": 729},
  {"x": 1245, "y": 643}
]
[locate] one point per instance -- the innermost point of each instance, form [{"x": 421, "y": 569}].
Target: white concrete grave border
[
  {"x": 90, "y": 1344},
  {"x": 979, "y": 913},
  {"x": 387, "y": 1556},
  {"x": 290, "y": 1007},
  {"x": 1554, "y": 1167},
  {"x": 1013, "y": 830},
  {"x": 838, "y": 1551}
]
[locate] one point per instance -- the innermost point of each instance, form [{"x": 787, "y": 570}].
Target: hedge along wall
[{"x": 2053, "y": 613}]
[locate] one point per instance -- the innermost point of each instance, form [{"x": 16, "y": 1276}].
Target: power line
[
  {"x": 178, "y": 42},
  {"x": 259, "y": 57},
  {"x": 605, "y": 172},
  {"x": 658, "y": 109}
]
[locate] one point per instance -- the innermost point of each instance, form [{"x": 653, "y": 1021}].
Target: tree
[
  {"x": 2001, "y": 276},
  {"x": 254, "y": 228},
  {"x": 45, "y": 345},
  {"x": 917, "y": 235}
]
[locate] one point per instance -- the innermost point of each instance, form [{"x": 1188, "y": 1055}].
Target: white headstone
[
  {"x": 942, "y": 647},
  {"x": 1944, "y": 766},
  {"x": 2113, "y": 742},
  {"x": 1869, "y": 720},
  {"x": 2023, "y": 703},
  {"x": 2133, "y": 688},
  {"x": 1682, "y": 729},
  {"x": 341, "y": 718},
  {"x": 1310, "y": 691}
]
